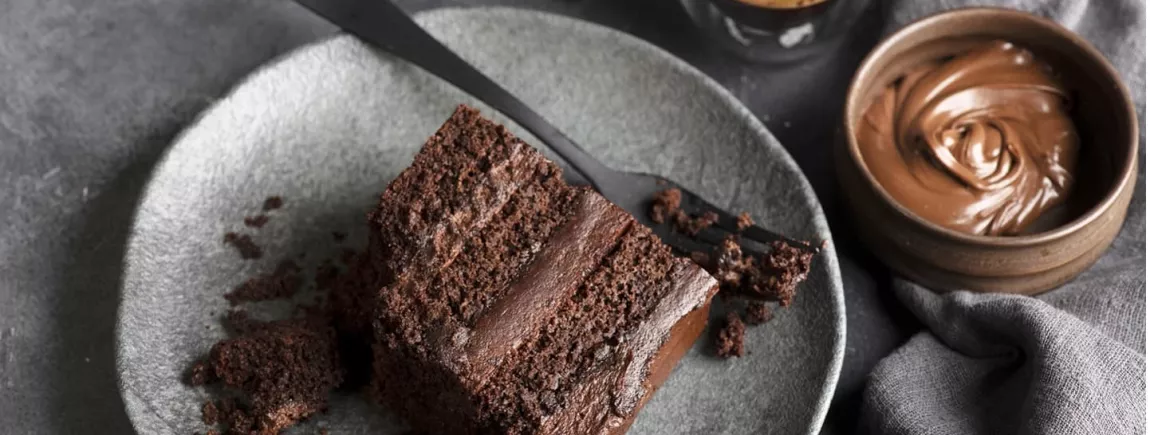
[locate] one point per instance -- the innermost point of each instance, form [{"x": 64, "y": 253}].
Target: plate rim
[{"x": 622, "y": 37}]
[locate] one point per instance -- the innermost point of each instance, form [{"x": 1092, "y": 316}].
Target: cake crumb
[
  {"x": 728, "y": 264},
  {"x": 239, "y": 422},
  {"x": 666, "y": 207},
  {"x": 286, "y": 369},
  {"x": 244, "y": 245},
  {"x": 787, "y": 266},
  {"x": 744, "y": 221},
  {"x": 665, "y": 204},
  {"x": 693, "y": 226},
  {"x": 730, "y": 340},
  {"x": 772, "y": 277},
  {"x": 284, "y": 282},
  {"x": 209, "y": 413},
  {"x": 257, "y": 221},
  {"x": 273, "y": 202},
  {"x": 200, "y": 373},
  {"x": 757, "y": 313}
]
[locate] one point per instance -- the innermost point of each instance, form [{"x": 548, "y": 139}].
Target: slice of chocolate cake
[{"x": 506, "y": 301}]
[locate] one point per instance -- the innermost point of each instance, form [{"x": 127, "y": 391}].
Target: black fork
[{"x": 382, "y": 24}]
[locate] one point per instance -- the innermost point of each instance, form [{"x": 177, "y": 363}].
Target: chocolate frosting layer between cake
[{"x": 550, "y": 280}]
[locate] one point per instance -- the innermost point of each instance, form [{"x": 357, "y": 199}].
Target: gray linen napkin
[{"x": 1070, "y": 361}]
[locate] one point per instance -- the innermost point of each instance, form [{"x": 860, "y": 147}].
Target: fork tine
[
  {"x": 715, "y": 237},
  {"x": 695, "y": 206},
  {"x": 756, "y": 233},
  {"x": 685, "y": 243}
]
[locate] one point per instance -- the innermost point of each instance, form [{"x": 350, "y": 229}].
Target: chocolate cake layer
[
  {"x": 441, "y": 301},
  {"x": 546, "y": 287},
  {"x": 643, "y": 374},
  {"x": 469, "y": 355},
  {"x": 464, "y": 175},
  {"x": 508, "y": 302}
]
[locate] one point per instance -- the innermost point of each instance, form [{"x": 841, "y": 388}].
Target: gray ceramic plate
[{"x": 330, "y": 124}]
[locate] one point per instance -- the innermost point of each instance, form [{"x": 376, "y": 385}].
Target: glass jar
[{"x": 775, "y": 30}]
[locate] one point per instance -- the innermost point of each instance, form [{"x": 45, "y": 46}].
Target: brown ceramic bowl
[{"x": 944, "y": 259}]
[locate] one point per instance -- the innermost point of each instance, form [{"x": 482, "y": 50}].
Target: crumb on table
[
  {"x": 273, "y": 202},
  {"x": 257, "y": 221},
  {"x": 744, "y": 221},
  {"x": 730, "y": 340},
  {"x": 757, "y": 313},
  {"x": 665, "y": 204}
]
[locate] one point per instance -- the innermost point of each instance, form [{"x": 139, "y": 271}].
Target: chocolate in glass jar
[
  {"x": 774, "y": 15},
  {"x": 775, "y": 30}
]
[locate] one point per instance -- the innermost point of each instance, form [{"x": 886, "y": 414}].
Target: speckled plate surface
[{"x": 328, "y": 126}]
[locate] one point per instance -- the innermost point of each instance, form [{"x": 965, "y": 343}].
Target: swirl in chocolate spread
[{"x": 981, "y": 142}]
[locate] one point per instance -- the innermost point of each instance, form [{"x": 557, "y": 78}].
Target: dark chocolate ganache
[{"x": 980, "y": 142}]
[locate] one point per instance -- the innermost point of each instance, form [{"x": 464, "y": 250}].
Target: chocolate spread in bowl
[{"x": 981, "y": 142}]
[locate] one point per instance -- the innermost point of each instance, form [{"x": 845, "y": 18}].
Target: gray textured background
[{"x": 91, "y": 92}]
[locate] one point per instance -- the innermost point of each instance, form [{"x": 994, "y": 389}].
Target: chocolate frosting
[
  {"x": 981, "y": 143},
  {"x": 551, "y": 279}
]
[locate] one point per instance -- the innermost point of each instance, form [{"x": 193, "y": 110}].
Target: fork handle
[{"x": 384, "y": 25}]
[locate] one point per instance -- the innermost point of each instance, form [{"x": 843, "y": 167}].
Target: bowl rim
[{"x": 870, "y": 63}]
